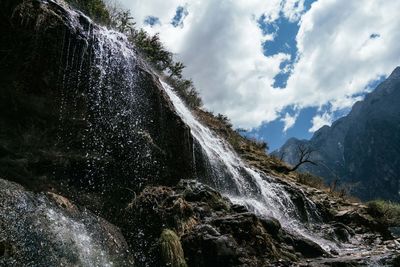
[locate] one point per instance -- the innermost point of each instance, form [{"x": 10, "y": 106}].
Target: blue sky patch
[
  {"x": 374, "y": 36},
  {"x": 284, "y": 42},
  {"x": 285, "y": 33},
  {"x": 285, "y": 37},
  {"x": 180, "y": 15},
  {"x": 307, "y": 4},
  {"x": 152, "y": 20},
  {"x": 273, "y": 134}
]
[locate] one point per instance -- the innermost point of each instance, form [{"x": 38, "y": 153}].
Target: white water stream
[{"x": 270, "y": 198}]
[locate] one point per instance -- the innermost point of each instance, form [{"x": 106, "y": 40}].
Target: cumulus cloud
[
  {"x": 292, "y": 9},
  {"x": 337, "y": 56},
  {"x": 342, "y": 47},
  {"x": 289, "y": 121},
  {"x": 320, "y": 120}
]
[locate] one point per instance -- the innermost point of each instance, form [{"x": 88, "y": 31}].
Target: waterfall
[
  {"x": 102, "y": 107},
  {"x": 260, "y": 193}
]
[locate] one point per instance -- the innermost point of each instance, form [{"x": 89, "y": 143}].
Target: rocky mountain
[
  {"x": 361, "y": 150},
  {"x": 103, "y": 164}
]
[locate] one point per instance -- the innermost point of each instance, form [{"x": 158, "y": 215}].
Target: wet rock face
[
  {"x": 212, "y": 231},
  {"x": 48, "y": 230},
  {"x": 79, "y": 109},
  {"x": 231, "y": 240}
]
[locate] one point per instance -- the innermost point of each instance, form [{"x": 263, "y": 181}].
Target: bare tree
[
  {"x": 282, "y": 155},
  {"x": 304, "y": 153}
]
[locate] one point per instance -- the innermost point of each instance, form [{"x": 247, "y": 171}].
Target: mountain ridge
[{"x": 339, "y": 148}]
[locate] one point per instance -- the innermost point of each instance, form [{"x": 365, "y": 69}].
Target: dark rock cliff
[
  {"x": 64, "y": 123},
  {"x": 361, "y": 149}
]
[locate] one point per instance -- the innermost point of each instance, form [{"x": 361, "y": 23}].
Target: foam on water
[{"x": 75, "y": 235}]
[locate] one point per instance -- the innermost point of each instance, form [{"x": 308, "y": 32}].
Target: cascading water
[
  {"x": 260, "y": 193},
  {"x": 61, "y": 236},
  {"x": 104, "y": 111}
]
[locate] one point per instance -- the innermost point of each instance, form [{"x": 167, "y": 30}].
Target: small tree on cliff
[
  {"x": 304, "y": 153},
  {"x": 176, "y": 70}
]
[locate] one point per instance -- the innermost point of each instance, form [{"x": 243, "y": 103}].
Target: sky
[{"x": 279, "y": 68}]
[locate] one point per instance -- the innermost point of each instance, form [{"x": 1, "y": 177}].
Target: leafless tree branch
[{"x": 304, "y": 153}]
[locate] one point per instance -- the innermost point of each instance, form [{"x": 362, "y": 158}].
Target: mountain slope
[{"x": 362, "y": 149}]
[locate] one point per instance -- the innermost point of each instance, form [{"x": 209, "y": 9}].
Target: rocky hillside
[
  {"x": 102, "y": 164},
  {"x": 362, "y": 149}
]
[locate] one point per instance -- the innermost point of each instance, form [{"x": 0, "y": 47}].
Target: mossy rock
[{"x": 171, "y": 249}]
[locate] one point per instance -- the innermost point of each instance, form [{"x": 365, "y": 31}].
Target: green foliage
[
  {"x": 162, "y": 60},
  {"x": 176, "y": 70},
  {"x": 186, "y": 91},
  {"x": 310, "y": 180},
  {"x": 153, "y": 50},
  {"x": 96, "y": 9},
  {"x": 386, "y": 211},
  {"x": 122, "y": 21},
  {"x": 225, "y": 120},
  {"x": 171, "y": 249}
]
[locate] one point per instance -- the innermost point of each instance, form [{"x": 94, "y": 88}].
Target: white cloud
[
  {"x": 289, "y": 121},
  {"x": 320, "y": 120},
  {"x": 220, "y": 44},
  {"x": 292, "y": 9},
  {"x": 337, "y": 56}
]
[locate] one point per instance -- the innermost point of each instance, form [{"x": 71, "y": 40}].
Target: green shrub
[
  {"x": 186, "y": 91},
  {"x": 224, "y": 120},
  {"x": 258, "y": 143},
  {"x": 386, "y": 211},
  {"x": 95, "y": 9}
]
